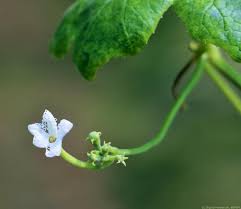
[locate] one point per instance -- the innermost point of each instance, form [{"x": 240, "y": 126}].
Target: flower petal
[
  {"x": 54, "y": 149},
  {"x": 35, "y": 128},
  {"x": 40, "y": 137},
  {"x": 40, "y": 142},
  {"x": 48, "y": 153},
  {"x": 63, "y": 128},
  {"x": 51, "y": 123}
]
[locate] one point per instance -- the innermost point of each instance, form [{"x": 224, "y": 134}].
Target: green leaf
[
  {"x": 100, "y": 30},
  {"x": 213, "y": 22}
]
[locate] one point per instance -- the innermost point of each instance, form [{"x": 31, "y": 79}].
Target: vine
[{"x": 97, "y": 37}]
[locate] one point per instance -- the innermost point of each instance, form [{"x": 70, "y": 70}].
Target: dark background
[{"x": 198, "y": 164}]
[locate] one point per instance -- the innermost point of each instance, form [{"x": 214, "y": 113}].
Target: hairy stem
[
  {"x": 196, "y": 76},
  {"x": 224, "y": 86}
]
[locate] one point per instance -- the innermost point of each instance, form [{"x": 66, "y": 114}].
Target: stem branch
[
  {"x": 229, "y": 72},
  {"x": 224, "y": 87}
]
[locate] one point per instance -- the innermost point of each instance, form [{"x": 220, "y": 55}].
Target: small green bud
[
  {"x": 94, "y": 138},
  {"x": 94, "y": 135},
  {"x": 95, "y": 157},
  {"x": 121, "y": 159},
  {"x": 106, "y": 147}
]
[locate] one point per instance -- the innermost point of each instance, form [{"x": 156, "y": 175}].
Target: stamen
[{"x": 52, "y": 139}]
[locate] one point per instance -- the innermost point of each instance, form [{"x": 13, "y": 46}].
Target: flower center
[{"x": 52, "y": 139}]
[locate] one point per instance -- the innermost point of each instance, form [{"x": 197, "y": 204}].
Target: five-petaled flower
[{"x": 49, "y": 134}]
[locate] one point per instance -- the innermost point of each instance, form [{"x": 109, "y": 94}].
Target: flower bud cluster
[{"x": 104, "y": 154}]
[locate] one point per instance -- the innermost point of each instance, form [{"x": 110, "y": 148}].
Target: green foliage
[
  {"x": 214, "y": 22},
  {"x": 100, "y": 30}
]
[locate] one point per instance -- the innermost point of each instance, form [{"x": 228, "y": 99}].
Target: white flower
[{"x": 49, "y": 135}]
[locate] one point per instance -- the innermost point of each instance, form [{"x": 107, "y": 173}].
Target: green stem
[
  {"x": 196, "y": 76},
  {"x": 74, "y": 161},
  {"x": 224, "y": 87},
  {"x": 229, "y": 72}
]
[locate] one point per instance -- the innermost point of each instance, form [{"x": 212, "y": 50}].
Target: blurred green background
[{"x": 198, "y": 164}]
